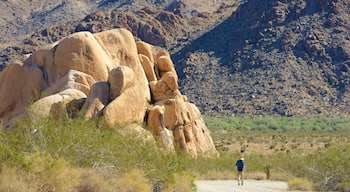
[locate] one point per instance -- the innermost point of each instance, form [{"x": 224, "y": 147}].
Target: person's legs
[
  {"x": 242, "y": 177},
  {"x": 239, "y": 175}
]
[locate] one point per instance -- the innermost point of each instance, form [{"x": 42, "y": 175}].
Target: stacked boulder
[{"x": 109, "y": 77}]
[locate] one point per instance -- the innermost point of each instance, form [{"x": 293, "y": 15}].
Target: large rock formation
[{"x": 105, "y": 76}]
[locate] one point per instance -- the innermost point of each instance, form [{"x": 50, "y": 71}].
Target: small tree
[{"x": 267, "y": 168}]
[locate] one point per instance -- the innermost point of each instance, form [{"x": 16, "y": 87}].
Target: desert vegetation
[
  {"x": 75, "y": 155},
  {"x": 310, "y": 153}
]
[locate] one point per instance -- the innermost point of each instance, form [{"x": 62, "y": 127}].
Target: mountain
[
  {"x": 255, "y": 57},
  {"x": 288, "y": 58}
]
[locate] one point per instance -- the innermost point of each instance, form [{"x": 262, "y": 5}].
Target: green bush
[
  {"x": 329, "y": 169},
  {"x": 80, "y": 144}
]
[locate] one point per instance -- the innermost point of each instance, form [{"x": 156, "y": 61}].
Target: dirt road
[{"x": 232, "y": 186}]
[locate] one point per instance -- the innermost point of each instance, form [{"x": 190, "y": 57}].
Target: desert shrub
[
  {"x": 344, "y": 186},
  {"x": 12, "y": 179},
  {"x": 63, "y": 144},
  {"x": 132, "y": 181},
  {"x": 91, "y": 180},
  {"x": 329, "y": 168},
  {"x": 280, "y": 175},
  {"x": 299, "y": 184},
  {"x": 51, "y": 174},
  {"x": 183, "y": 182}
]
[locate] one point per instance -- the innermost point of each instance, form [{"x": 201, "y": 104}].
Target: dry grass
[
  {"x": 300, "y": 184},
  {"x": 218, "y": 175},
  {"x": 14, "y": 180},
  {"x": 92, "y": 181},
  {"x": 182, "y": 183},
  {"x": 48, "y": 174},
  {"x": 344, "y": 186},
  {"x": 51, "y": 174},
  {"x": 132, "y": 181},
  {"x": 256, "y": 175}
]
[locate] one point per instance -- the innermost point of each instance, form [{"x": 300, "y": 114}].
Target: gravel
[{"x": 232, "y": 186}]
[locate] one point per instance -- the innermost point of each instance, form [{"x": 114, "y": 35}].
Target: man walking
[{"x": 240, "y": 169}]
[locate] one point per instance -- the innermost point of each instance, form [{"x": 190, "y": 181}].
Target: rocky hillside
[
  {"x": 168, "y": 24},
  {"x": 272, "y": 58},
  {"x": 256, "y": 57}
]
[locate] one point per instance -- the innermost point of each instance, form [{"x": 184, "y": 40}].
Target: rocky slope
[
  {"x": 272, "y": 58},
  {"x": 168, "y": 24},
  {"x": 260, "y": 57}
]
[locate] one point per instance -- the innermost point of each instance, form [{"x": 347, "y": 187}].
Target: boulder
[
  {"x": 145, "y": 49},
  {"x": 182, "y": 118},
  {"x": 156, "y": 125},
  {"x": 164, "y": 64},
  {"x": 148, "y": 67},
  {"x": 108, "y": 77},
  {"x": 129, "y": 102},
  {"x": 99, "y": 97},
  {"x": 120, "y": 79},
  {"x": 44, "y": 59},
  {"x": 82, "y": 52},
  {"x": 54, "y": 105},
  {"x": 165, "y": 88},
  {"x": 72, "y": 80},
  {"x": 201, "y": 134},
  {"x": 20, "y": 85}
]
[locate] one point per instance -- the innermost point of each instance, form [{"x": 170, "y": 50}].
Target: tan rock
[
  {"x": 44, "y": 59},
  {"x": 20, "y": 85},
  {"x": 130, "y": 101},
  {"x": 128, "y": 107},
  {"x": 163, "y": 53},
  {"x": 165, "y": 88},
  {"x": 203, "y": 141},
  {"x": 161, "y": 91},
  {"x": 155, "y": 124},
  {"x": 99, "y": 97},
  {"x": 145, "y": 49},
  {"x": 82, "y": 52},
  {"x": 171, "y": 80},
  {"x": 120, "y": 79},
  {"x": 110, "y": 76},
  {"x": 119, "y": 45},
  {"x": 164, "y": 64},
  {"x": 44, "y": 107},
  {"x": 189, "y": 130},
  {"x": 155, "y": 119},
  {"x": 190, "y": 140},
  {"x": 179, "y": 139},
  {"x": 148, "y": 67},
  {"x": 72, "y": 80},
  {"x": 172, "y": 113}
]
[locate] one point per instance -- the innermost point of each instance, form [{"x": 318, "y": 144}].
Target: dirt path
[{"x": 232, "y": 186}]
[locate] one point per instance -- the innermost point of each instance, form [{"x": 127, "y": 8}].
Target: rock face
[{"x": 105, "y": 76}]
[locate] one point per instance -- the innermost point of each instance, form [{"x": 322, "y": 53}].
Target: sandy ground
[{"x": 232, "y": 186}]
